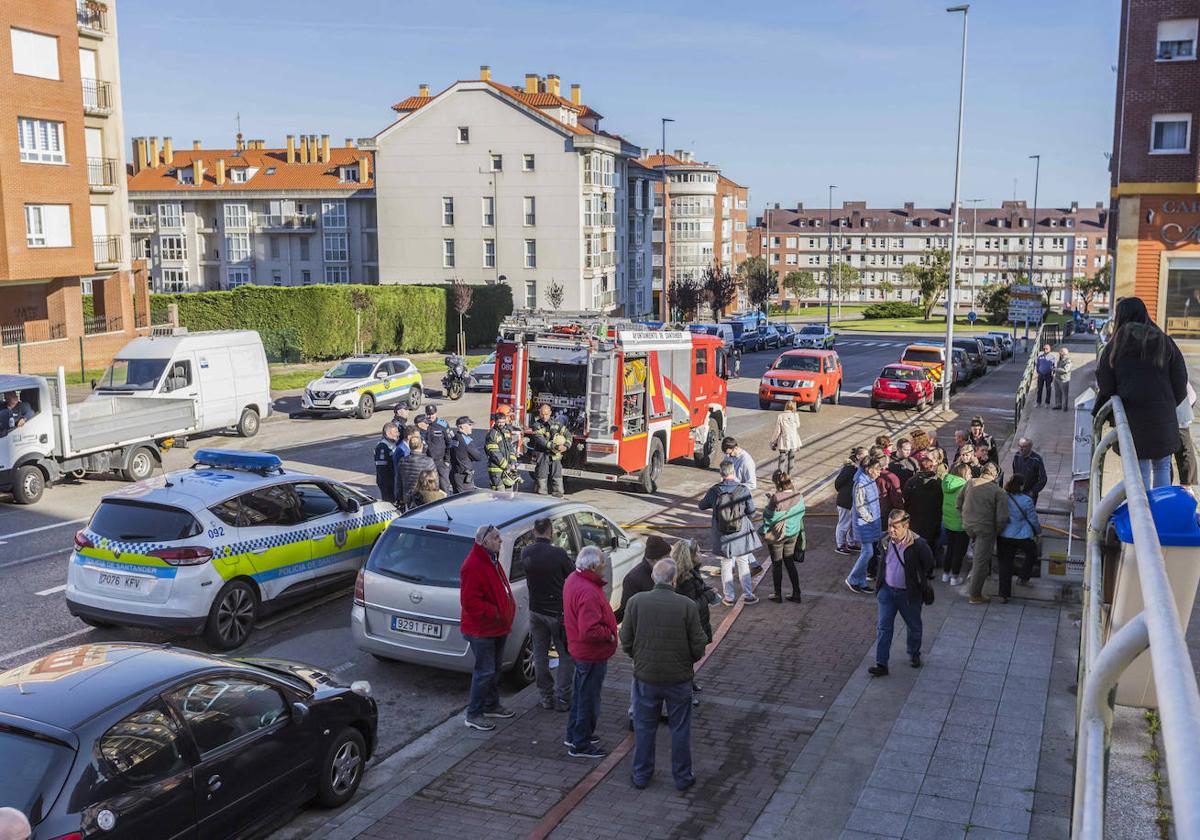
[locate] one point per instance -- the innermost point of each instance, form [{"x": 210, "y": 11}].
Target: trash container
[{"x": 1175, "y": 519}]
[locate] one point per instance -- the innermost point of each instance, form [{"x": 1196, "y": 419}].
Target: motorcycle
[{"x": 454, "y": 383}]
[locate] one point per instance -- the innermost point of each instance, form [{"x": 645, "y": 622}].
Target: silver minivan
[{"x": 406, "y": 600}]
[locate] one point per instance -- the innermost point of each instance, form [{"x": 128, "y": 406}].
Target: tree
[
  {"x": 719, "y": 289},
  {"x": 931, "y": 279},
  {"x": 993, "y": 298},
  {"x": 461, "y": 294},
  {"x": 554, "y": 295},
  {"x": 359, "y": 302},
  {"x": 845, "y": 278},
  {"x": 1095, "y": 285},
  {"x": 801, "y": 284},
  {"x": 759, "y": 281},
  {"x": 886, "y": 287},
  {"x": 684, "y": 296}
]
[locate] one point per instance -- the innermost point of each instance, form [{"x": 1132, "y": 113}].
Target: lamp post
[
  {"x": 974, "y": 249},
  {"x": 1032, "y": 239},
  {"x": 665, "y": 307},
  {"x": 829, "y": 275},
  {"x": 948, "y": 367}
]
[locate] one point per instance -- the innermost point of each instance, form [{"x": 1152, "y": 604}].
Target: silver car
[
  {"x": 479, "y": 378},
  {"x": 406, "y": 600}
]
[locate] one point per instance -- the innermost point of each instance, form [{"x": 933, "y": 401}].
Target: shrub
[{"x": 893, "y": 309}]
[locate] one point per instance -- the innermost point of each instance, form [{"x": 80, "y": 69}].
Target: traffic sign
[{"x": 972, "y": 317}]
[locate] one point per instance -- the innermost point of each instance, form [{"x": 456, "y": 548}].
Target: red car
[{"x": 904, "y": 385}]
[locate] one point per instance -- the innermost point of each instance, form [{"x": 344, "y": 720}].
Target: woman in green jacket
[
  {"x": 783, "y": 532},
  {"x": 956, "y": 537}
]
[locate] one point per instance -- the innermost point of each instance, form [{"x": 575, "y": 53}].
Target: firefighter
[
  {"x": 548, "y": 438},
  {"x": 463, "y": 455},
  {"x": 437, "y": 444},
  {"x": 501, "y": 455},
  {"x": 385, "y": 466}
]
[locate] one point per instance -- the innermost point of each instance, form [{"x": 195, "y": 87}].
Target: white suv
[{"x": 360, "y": 384}]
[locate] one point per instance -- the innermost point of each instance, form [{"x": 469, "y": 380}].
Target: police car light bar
[{"x": 230, "y": 459}]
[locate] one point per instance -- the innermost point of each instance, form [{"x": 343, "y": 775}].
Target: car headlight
[{"x": 805, "y": 383}]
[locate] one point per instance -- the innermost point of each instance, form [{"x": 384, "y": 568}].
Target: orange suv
[
  {"x": 932, "y": 357},
  {"x": 809, "y": 377}
]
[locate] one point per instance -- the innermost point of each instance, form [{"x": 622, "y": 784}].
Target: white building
[{"x": 518, "y": 185}]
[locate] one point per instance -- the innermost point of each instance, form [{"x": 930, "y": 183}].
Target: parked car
[
  {"x": 771, "y": 339},
  {"x": 406, "y": 599},
  {"x": 962, "y": 368},
  {"x": 901, "y": 384},
  {"x": 1006, "y": 342},
  {"x": 361, "y": 384},
  {"x": 479, "y": 378},
  {"x": 932, "y": 357},
  {"x": 816, "y": 335},
  {"x": 977, "y": 361},
  {"x": 992, "y": 349},
  {"x": 787, "y": 335},
  {"x": 808, "y": 377},
  {"x": 131, "y": 741},
  {"x": 750, "y": 341}
]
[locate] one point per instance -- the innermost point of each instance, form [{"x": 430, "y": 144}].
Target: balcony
[
  {"x": 92, "y": 19},
  {"x": 102, "y": 174},
  {"x": 97, "y": 98},
  {"x": 604, "y": 300},
  {"x": 98, "y": 324},
  {"x": 286, "y": 222},
  {"x": 106, "y": 251},
  {"x": 602, "y": 218},
  {"x": 142, "y": 224}
]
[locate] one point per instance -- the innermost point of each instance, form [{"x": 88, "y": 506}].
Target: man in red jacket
[
  {"x": 592, "y": 640},
  {"x": 487, "y": 616}
]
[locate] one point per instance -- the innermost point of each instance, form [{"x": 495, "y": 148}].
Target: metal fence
[
  {"x": 1156, "y": 629},
  {"x": 102, "y": 324}
]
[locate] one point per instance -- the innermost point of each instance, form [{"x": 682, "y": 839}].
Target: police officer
[
  {"x": 15, "y": 413},
  {"x": 548, "y": 438},
  {"x": 464, "y": 454},
  {"x": 501, "y": 455},
  {"x": 437, "y": 446},
  {"x": 385, "y": 465}
]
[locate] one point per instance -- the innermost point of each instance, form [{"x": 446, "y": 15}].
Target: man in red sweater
[
  {"x": 592, "y": 640},
  {"x": 487, "y": 616}
]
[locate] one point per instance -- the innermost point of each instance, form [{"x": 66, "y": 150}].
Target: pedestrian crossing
[{"x": 858, "y": 342}]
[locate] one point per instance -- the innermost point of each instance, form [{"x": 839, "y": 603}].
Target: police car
[
  {"x": 208, "y": 549},
  {"x": 360, "y": 384}
]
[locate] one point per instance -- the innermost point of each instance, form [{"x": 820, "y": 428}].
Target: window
[
  {"x": 562, "y": 537},
  {"x": 333, "y": 213},
  {"x": 315, "y": 501},
  {"x": 237, "y": 247},
  {"x": 34, "y": 54},
  {"x": 447, "y": 210},
  {"x": 239, "y": 175},
  {"x": 531, "y": 294},
  {"x": 179, "y": 376},
  {"x": 48, "y": 225},
  {"x": 464, "y": 134},
  {"x": 408, "y": 554},
  {"x": 274, "y": 240},
  {"x": 174, "y": 280},
  {"x": 531, "y": 253},
  {"x": 172, "y": 248},
  {"x": 336, "y": 247},
  {"x": 306, "y": 277},
  {"x": 235, "y": 277},
  {"x": 447, "y": 253},
  {"x": 1170, "y": 133},
  {"x": 1177, "y": 40},
  {"x": 337, "y": 274},
  {"x": 527, "y": 163},
  {"x": 497, "y": 163},
  {"x": 348, "y": 174},
  {"x": 237, "y": 216},
  {"x": 226, "y": 709},
  {"x": 530, "y": 208},
  {"x": 595, "y": 530},
  {"x": 489, "y": 211},
  {"x": 701, "y": 361},
  {"x": 304, "y": 248},
  {"x": 489, "y": 253},
  {"x": 41, "y": 141},
  {"x": 170, "y": 215},
  {"x": 144, "y": 747},
  {"x": 276, "y": 277}
]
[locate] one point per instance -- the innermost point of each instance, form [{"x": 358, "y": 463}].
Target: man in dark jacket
[
  {"x": 844, "y": 484},
  {"x": 488, "y": 607},
  {"x": 907, "y": 563},
  {"x": 1029, "y": 465},
  {"x": 410, "y": 470},
  {"x": 385, "y": 465},
  {"x": 1045, "y": 373},
  {"x": 592, "y": 638},
  {"x": 638, "y": 579},
  {"x": 437, "y": 445},
  {"x": 547, "y": 567},
  {"x": 465, "y": 453},
  {"x": 923, "y": 501},
  {"x": 902, "y": 464},
  {"x": 734, "y": 538},
  {"x": 978, "y": 437},
  {"x": 663, "y": 635}
]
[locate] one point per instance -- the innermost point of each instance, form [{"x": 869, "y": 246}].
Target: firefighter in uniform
[
  {"x": 385, "y": 466},
  {"x": 501, "y": 456},
  {"x": 548, "y": 438},
  {"x": 437, "y": 444}
]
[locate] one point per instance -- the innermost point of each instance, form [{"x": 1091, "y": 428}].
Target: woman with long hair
[
  {"x": 427, "y": 489},
  {"x": 957, "y": 540},
  {"x": 688, "y": 580},
  {"x": 787, "y": 437},
  {"x": 783, "y": 532}
]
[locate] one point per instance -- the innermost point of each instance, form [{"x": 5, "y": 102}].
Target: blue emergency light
[{"x": 230, "y": 459}]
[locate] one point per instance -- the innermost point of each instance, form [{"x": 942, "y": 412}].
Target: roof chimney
[
  {"x": 221, "y": 172},
  {"x": 1074, "y": 206},
  {"x": 303, "y": 149},
  {"x": 291, "y": 148},
  {"x": 576, "y": 95},
  {"x": 139, "y": 154},
  {"x": 195, "y": 145},
  {"x": 349, "y": 142},
  {"x": 485, "y": 73},
  {"x": 313, "y": 149},
  {"x": 553, "y": 84},
  {"x": 324, "y": 148},
  {"x": 364, "y": 170},
  {"x": 422, "y": 90},
  {"x": 908, "y": 206},
  {"x": 197, "y": 171},
  {"x": 239, "y": 143},
  {"x": 153, "y": 152},
  {"x": 531, "y": 82},
  {"x": 168, "y": 151}
]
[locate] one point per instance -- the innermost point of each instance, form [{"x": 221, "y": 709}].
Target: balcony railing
[
  {"x": 107, "y": 251},
  {"x": 101, "y": 324},
  {"x": 145, "y": 223},
  {"x": 286, "y": 221},
  {"x": 102, "y": 173},
  {"x": 92, "y": 17},
  {"x": 97, "y": 97}
]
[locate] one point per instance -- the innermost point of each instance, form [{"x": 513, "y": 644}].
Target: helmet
[{"x": 504, "y": 409}]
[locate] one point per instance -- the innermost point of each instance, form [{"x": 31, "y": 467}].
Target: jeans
[
  {"x": 1043, "y": 382},
  {"x": 648, "y": 701},
  {"x": 585, "y": 703},
  {"x": 485, "y": 676},
  {"x": 981, "y": 564},
  {"x": 1185, "y": 460},
  {"x": 858, "y": 575},
  {"x": 743, "y": 567},
  {"x": 956, "y": 550},
  {"x": 1156, "y": 472},
  {"x": 1062, "y": 393},
  {"x": 548, "y": 630},
  {"x": 1006, "y": 551},
  {"x": 892, "y": 601},
  {"x": 842, "y": 534},
  {"x": 785, "y": 460},
  {"x": 783, "y": 554}
]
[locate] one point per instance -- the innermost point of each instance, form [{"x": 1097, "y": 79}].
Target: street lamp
[
  {"x": 829, "y": 274},
  {"x": 948, "y": 367},
  {"x": 974, "y": 249},
  {"x": 1032, "y": 239},
  {"x": 664, "y": 307}
]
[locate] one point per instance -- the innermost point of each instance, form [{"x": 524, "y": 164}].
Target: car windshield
[
  {"x": 919, "y": 355},
  {"x": 133, "y": 521},
  {"x": 350, "y": 370},
  {"x": 809, "y": 364},
  {"x": 430, "y": 558},
  {"x": 812, "y": 331},
  {"x": 132, "y": 375},
  {"x": 32, "y": 771},
  {"x": 902, "y": 374},
  {"x": 490, "y": 360},
  {"x": 969, "y": 346},
  {"x": 738, "y": 328}
]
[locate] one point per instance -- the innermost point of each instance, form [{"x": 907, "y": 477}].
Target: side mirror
[
  {"x": 352, "y": 506},
  {"x": 383, "y": 374},
  {"x": 299, "y": 713},
  {"x": 93, "y": 384}
]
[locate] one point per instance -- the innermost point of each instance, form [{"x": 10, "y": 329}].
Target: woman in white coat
[{"x": 787, "y": 437}]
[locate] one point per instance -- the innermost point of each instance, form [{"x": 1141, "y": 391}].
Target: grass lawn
[
  {"x": 816, "y": 311},
  {"x": 912, "y": 325},
  {"x": 291, "y": 377}
]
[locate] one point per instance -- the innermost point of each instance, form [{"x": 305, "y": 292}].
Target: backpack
[{"x": 728, "y": 512}]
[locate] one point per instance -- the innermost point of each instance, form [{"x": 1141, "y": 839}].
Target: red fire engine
[{"x": 633, "y": 398}]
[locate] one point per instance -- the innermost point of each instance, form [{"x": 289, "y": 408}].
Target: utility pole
[
  {"x": 974, "y": 249},
  {"x": 948, "y": 366},
  {"x": 829, "y": 233},
  {"x": 1032, "y": 238}
]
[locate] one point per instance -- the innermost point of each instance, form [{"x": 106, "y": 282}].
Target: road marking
[
  {"x": 46, "y": 643},
  {"x": 4, "y": 538},
  {"x": 52, "y": 590},
  {"x": 35, "y": 558}
]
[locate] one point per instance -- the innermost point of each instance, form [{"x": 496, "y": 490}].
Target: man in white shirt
[{"x": 745, "y": 470}]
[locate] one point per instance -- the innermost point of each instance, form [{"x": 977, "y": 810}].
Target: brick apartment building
[
  {"x": 1156, "y": 162},
  {"x": 64, "y": 225},
  {"x": 1069, "y": 244}
]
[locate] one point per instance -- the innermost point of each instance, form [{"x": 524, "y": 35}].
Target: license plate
[
  {"x": 416, "y": 628},
  {"x": 129, "y": 584}
]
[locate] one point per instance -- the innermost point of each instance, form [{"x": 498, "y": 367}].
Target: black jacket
[
  {"x": 636, "y": 580},
  {"x": 1033, "y": 469},
  {"x": 546, "y": 569},
  {"x": 464, "y": 454},
  {"x": 437, "y": 442},
  {"x": 923, "y": 501},
  {"x": 385, "y": 470},
  {"x": 990, "y": 442},
  {"x": 918, "y": 564},
  {"x": 410, "y": 470},
  {"x": 694, "y": 587},
  {"x": 902, "y": 468},
  {"x": 1150, "y": 393},
  {"x": 844, "y": 484}
]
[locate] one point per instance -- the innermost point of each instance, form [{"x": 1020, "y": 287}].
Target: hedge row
[
  {"x": 893, "y": 309},
  {"x": 317, "y": 322}
]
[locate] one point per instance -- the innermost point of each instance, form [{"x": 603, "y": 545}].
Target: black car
[
  {"x": 975, "y": 356},
  {"x": 750, "y": 341},
  {"x": 787, "y": 335},
  {"x": 128, "y": 740}
]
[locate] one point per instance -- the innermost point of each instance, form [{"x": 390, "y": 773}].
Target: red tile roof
[
  {"x": 286, "y": 176},
  {"x": 654, "y": 161}
]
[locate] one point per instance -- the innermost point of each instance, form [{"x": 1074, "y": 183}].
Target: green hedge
[
  {"x": 893, "y": 309},
  {"x": 310, "y": 323}
]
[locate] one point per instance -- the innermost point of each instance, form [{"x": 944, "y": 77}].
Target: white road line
[
  {"x": 52, "y": 590},
  {"x": 6, "y": 537},
  {"x": 47, "y": 643},
  {"x": 35, "y": 558}
]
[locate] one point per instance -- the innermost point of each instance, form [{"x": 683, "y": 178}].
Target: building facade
[
  {"x": 212, "y": 219},
  {"x": 1155, "y": 162},
  {"x": 516, "y": 184},
  {"x": 1069, "y": 244},
  {"x": 64, "y": 226}
]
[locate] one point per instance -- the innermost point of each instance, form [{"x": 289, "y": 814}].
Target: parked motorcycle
[{"x": 454, "y": 383}]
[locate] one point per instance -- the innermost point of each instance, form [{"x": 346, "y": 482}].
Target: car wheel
[
  {"x": 414, "y": 397},
  {"x": 837, "y": 395},
  {"x": 816, "y": 404},
  {"x": 342, "y": 769},
  {"x": 28, "y": 485},
  {"x": 764, "y": 404},
  {"x": 522, "y": 672},
  {"x": 653, "y": 469},
  {"x": 140, "y": 465},
  {"x": 705, "y": 455},
  {"x": 366, "y": 407},
  {"x": 874, "y": 403},
  {"x": 248, "y": 423},
  {"x": 232, "y": 616}
]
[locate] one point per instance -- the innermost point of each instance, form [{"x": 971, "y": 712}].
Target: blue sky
[{"x": 787, "y": 96}]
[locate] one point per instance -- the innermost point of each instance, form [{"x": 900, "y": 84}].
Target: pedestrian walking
[
  {"x": 733, "y": 537},
  {"x": 1185, "y": 456},
  {"x": 465, "y": 453},
  {"x": 410, "y": 469},
  {"x": 501, "y": 455},
  {"x": 663, "y": 635},
  {"x": 1030, "y": 466},
  {"x": 488, "y": 608},
  {"x": 385, "y": 465},
  {"x": 907, "y": 564},
  {"x": 984, "y": 507},
  {"x": 1142, "y": 365},
  {"x": 903, "y": 463},
  {"x": 745, "y": 469},
  {"x": 548, "y": 440},
  {"x": 1018, "y": 536},
  {"x": 979, "y": 437},
  {"x": 428, "y": 489},
  {"x": 786, "y": 442},
  {"x": 547, "y": 568},
  {"x": 1044, "y": 365},
  {"x": 867, "y": 522},
  {"x": 956, "y": 541},
  {"x": 437, "y": 445},
  {"x": 638, "y": 578},
  {"x": 1062, "y": 379},
  {"x": 844, "y": 485},
  {"x": 923, "y": 501},
  {"x": 592, "y": 640},
  {"x": 783, "y": 533}
]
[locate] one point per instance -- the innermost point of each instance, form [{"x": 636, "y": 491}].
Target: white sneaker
[
  {"x": 945, "y": 577},
  {"x": 956, "y": 581}
]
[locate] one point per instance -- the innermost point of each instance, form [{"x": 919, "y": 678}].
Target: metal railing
[
  {"x": 102, "y": 172},
  {"x": 101, "y": 324},
  {"x": 143, "y": 222},
  {"x": 286, "y": 221},
  {"x": 97, "y": 97},
  {"x": 92, "y": 16},
  {"x": 106, "y": 250},
  {"x": 1156, "y": 628},
  {"x": 1045, "y": 333}
]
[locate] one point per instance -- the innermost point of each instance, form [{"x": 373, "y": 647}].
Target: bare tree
[
  {"x": 720, "y": 287},
  {"x": 554, "y": 295},
  {"x": 462, "y": 294},
  {"x": 684, "y": 296}
]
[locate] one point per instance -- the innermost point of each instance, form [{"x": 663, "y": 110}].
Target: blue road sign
[{"x": 972, "y": 317}]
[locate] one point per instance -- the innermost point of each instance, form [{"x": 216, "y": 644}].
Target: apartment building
[
  {"x": 1155, "y": 163},
  {"x": 994, "y": 245},
  {"x": 63, "y": 207},
  {"x": 211, "y": 219},
  {"x": 729, "y": 223},
  {"x": 517, "y": 184}
]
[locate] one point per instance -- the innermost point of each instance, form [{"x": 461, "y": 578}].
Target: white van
[
  {"x": 725, "y": 332},
  {"x": 223, "y": 371}
]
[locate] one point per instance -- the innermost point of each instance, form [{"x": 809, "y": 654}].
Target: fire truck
[{"x": 632, "y": 397}]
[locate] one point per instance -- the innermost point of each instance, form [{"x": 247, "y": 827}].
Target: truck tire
[
  {"x": 248, "y": 423},
  {"x": 232, "y": 616},
  {"x": 816, "y": 404},
  {"x": 28, "y": 485},
  {"x": 654, "y": 466},
  {"x": 366, "y": 407},
  {"x": 140, "y": 465},
  {"x": 765, "y": 405},
  {"x": 704, "y": 455}
]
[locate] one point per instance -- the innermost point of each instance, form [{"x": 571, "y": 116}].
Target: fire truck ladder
[{"x": 600, "y": 394}]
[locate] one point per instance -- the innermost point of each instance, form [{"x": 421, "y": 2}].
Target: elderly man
[
  {"x": 592, "y": 640},
  {"x": 1029, "y": 465},
  {"x": 984, "y": 508},
  {"x": 734, "y": 539},
  {"x": 547, "y": 568},
  {"x": 14, "y": 825},
  {"x": 1045, "y": 373},
  {"x": 488, "y": 608},
  {"x": 907, "y": 564},
  {"x": 663, "y": 634}
]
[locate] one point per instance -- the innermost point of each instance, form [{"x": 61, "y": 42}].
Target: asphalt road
[{"x": 35, "y": 542}]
